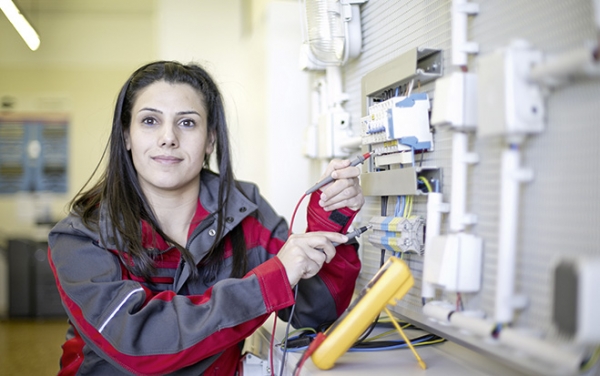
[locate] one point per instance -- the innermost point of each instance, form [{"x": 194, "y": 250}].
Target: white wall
[
  {"x": 253, "y": 54},
  {"x": 210, "y": 33},
  {"x": 287, "y": 111},
  {"x": 87, "y": 51}
]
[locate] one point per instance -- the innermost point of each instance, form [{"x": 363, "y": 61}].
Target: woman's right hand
[{"x": 303, "y": 255}]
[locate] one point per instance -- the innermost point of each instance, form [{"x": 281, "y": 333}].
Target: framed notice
[{"x": 33, "y": 153}]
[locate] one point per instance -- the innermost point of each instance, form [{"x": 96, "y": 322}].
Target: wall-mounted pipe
[
  {"x": 461, "y": 48},
  {"x": 567, "y": 359},
  {"x": 461, "y": 158},
  {"x": 559, "y": 69},
  {"x": 438, "y": 311},
  {"x": 512, "y": 175},
  {"x": 564, "y": 359}
]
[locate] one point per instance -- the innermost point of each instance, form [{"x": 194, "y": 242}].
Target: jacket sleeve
[
  {"x": 150, "y": 333},
  {"x": 323, "y": 298}
]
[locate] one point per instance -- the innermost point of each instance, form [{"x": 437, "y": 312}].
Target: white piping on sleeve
[{"x": 119, "y": 307}]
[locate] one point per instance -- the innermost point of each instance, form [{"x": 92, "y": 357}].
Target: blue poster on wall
[{"x": 33, "y": 155}]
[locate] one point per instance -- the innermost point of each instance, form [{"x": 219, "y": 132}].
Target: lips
[{"x": 167, "y": 159}]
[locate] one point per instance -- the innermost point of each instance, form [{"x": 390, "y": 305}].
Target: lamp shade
[{"x": 332, "y": 31}]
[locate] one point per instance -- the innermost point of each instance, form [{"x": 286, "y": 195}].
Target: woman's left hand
[{"x": 345, "y": 190}]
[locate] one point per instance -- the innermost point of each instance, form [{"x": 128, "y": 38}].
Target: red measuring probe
[{"x": 358, "y": 160}]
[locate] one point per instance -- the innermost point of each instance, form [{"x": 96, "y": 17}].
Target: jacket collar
[{"x": 238, "y": 206}]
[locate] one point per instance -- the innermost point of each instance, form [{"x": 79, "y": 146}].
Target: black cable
[
  {"x": 372, "y": 345},
  {"x": 367, "y": 332},
  {"x": 383, "y": 344},
  {"x": 287, "y": 331},
  {"x": 384, "y": 204}
]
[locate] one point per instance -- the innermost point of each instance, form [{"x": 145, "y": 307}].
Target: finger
[
  {"x": 354, "y": 204},
  {"x": 324, "y": 239},
  {"x": 328, "y": 255},
  {"x": 351, "y": 198},
  {"x": 346, "y": 173},
  {"x": 335, "y": 164},
  {"x": 309, "y": 243},
  {"x": 315, "y": 258},
  {"x": 345, "y": 187},
  {"x": 333, "y": 167}
]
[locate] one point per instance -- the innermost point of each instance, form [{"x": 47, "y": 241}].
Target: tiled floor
[{"x": 31, "y": 347}]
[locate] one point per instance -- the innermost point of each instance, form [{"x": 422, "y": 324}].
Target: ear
[
  {"x": 210, "y": 141},
  {"x": 127, "y": 140}
]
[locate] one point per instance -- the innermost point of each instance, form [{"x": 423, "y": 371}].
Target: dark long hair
[{"x": 119, "y": 190}]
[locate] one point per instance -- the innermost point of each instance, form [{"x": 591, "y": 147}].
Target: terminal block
[{"x": 398, "y": 234}]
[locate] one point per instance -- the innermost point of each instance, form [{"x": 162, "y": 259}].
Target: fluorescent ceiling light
[{"x": 21, "y": 24}]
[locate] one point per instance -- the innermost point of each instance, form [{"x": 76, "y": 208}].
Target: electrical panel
[
  {"x": 395, "y": 124},
  {"x": 398, "y": 124}
]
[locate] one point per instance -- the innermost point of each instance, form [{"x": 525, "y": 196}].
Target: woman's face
[{"x": 168, "y": 137}]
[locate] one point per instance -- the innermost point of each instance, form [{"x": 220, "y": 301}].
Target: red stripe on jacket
[{"x": 270, "y": 273}]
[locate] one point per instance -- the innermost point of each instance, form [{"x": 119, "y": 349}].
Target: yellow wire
[
  {"x": 389, "y": 332},
  {"x": 380, "y": 335},
  {"x": 409, "y": 205},
  {"x": 432, "y": 342},
  {"x": 426, "y": 182},
  {"x": 594, "y": 358},
  {"x": 386, "y": 319}
]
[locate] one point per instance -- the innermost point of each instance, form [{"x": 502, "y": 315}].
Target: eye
[
  {"x": 149, "y": 121},
  {"x": 187, "y": 123}
]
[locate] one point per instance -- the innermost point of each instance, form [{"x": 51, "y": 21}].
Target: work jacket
[{"x": 176, "y": 324}]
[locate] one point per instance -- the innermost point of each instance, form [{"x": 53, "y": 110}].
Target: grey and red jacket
[{"x": 122, "y": 324}]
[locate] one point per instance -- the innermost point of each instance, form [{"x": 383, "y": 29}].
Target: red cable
[
  {"x": 311, "y": 349},
  {"x": 275, "y": 319},
  {"x": 294, "y": 215}
]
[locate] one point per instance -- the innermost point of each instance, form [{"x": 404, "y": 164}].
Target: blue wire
[
  {"x": 403, "y": 207},
  {"x": 400, "y": 345},
  {"x": 399, "y": 207}
]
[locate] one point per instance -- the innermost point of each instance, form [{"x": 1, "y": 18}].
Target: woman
[{"x": 166, "y": 267}]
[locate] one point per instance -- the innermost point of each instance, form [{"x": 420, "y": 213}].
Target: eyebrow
[
  {"x": 190, "y": 112},
  {"x": 150, "y": 109}
]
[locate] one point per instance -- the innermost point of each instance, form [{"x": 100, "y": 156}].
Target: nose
[{"x": 168, "y": 137}]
